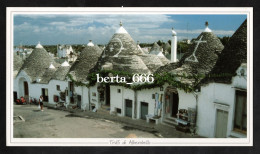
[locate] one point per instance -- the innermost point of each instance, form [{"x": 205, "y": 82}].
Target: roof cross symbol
[
  {"x": 121, "y": 47},
  {"x": 193, "y": 57}
]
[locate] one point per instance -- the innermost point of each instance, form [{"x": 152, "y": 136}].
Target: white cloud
[{"x": 72, "y": 28}]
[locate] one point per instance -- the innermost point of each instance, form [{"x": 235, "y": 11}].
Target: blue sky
[{"x": 147, "y": 28}]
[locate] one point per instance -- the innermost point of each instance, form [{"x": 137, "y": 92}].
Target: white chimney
[{"x": 174, "y": 47}]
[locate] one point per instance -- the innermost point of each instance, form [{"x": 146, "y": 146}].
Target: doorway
[
  {"x": 144, "y": 110},
  {"x": 15, "y": 96},
  {"x": 171, "y": 102},
  {"x": 71, "y": 93},
  {"x": 45, "y": 94},
  {"x": 128, "y": 108},
  {"x": 221, "y": 124},
  {"x": 26, "y": 91},
  {"x": 107, "y": 95},
  {"x": 175, "y": 104}
]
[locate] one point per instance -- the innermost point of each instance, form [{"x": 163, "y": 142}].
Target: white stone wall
[
  {"x": 210, "y": 99},
  {"x": 145, "y": 95},
  {"x": 117, "y": 100},
  {"x": 35, "y": 90},
  {"x": 83, "y": 92},
  {"x": 186, "y": 100},
  {"x": 94, "y": 99},
  {"x": 18, "y": 83},
  {"x": 52, "y": 89},
  {"x": 62, "y": 53}
]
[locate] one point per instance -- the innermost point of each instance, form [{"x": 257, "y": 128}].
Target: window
[
  {"x": 118, "y": 110},
  {"x": 94, "y": 94},
  {"x": 55, "y": 98},
  {"x": 118, "y": 90},
  {"x": 58, "y": 87},
  {"x": 153, "y": 96},
  {"x": 240, "y": 121}
]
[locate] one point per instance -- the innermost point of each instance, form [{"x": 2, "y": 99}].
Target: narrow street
[{"x": 59, "y": 124}]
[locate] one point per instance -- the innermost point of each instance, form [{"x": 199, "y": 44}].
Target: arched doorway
[
  {"x": 171, "y": 102},
  {"x": 24, "y": 89}
]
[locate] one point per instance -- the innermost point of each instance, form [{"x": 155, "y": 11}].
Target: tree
[{"x": 159, "y": 43}]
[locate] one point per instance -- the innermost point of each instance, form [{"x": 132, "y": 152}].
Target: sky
[{"x": 52, "y": 29}]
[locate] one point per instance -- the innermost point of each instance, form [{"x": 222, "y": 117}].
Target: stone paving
[{"x": 159, "y": 130}]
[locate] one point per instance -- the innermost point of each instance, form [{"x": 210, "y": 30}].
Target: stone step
[
  {"x": 170, "y": 122},
  {"x": 167, "y": 124}
]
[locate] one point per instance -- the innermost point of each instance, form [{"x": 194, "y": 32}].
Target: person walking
[{"x": 41, "y": 102}]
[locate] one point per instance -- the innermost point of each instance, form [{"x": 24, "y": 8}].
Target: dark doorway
[
  {"x": 45, "y": 94},
  {"x": 128, "y": 108},
  {"x": 79, "y": 101},
  {"x": 144, "y": 110},
  {"x": 26, "y": 90},
  {"x": 175, "y": 104},
  {"x": 71, "y": 93},
  {"x": 15, "y": 95},
  {"x": 71, "y": 86},
  {"x": 107, "y": 94}
]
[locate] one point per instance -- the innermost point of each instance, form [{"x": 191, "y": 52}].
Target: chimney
[{"x": 174, "y": 47}]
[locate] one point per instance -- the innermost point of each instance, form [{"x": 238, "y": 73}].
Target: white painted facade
[
  {"x": 219, "y": 96},
  {"x": 64, "y": 50},
  {"x": 145, "y": 95},
  {"x": 94, "y": 96},
  {"x": 117, "y": 99},
  {"x": 18, "y": 83}
]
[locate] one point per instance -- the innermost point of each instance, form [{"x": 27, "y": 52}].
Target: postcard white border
[{"x": 10, "y": 141}]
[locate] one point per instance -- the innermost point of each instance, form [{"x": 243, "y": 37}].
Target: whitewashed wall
[
  {"x": 18, "y": 83},
  {"x": 35, "y": 90},
  {"x": 94, "y": 99},
  {"x": 145, "y": 95},
  {"x": 210, "y": 99},
  {"x": 85, "y": 99},
  {"x": 62, "y": 53},
  {"x": 186, "y": 100},
  {"x": 52, "y": 89},
  {"x": 117, "y": 100}
]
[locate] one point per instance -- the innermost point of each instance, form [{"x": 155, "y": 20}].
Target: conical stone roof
[
  {"x": 37, "y": 63},
  {"x": 155, "y": 49},
  {"x": 200, "y": 58},
  {"x": 87, "y": 60},
  {"x": 123, "y": 54},
  {"x": 132, "y": 64},
  {"x": 153, "y": 62},
  {"x": 203, "y": 53},
  {"x": 166, "y": 46},
  {"x": 122, "y": 43},
  {"x": 17, "y": 64},
  {"x": 61, "y": 72},
  {"x": 234, "y": 54}
]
